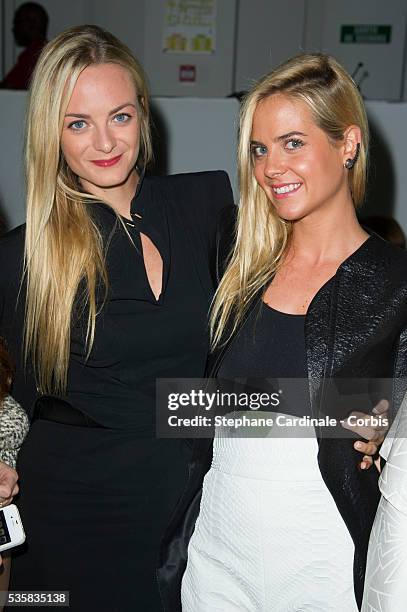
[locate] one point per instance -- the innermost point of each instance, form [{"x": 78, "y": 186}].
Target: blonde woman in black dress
[{"x": 117, "y": 281}]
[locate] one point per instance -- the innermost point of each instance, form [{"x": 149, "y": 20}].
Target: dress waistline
[{"x": 48, "y": 408}]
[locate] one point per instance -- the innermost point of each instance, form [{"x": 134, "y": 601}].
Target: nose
[
  {"x": 104, "y": 139},
  {"x": 275, "y": 164}
]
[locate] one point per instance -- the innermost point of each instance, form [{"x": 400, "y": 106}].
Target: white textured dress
[{"x": 269, "y": 537}]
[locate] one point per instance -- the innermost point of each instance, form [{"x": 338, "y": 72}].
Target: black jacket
[{"x": 355, "y": 328}]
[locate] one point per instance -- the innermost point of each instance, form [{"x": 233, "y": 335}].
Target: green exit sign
[{"x": 366, "y": 34}]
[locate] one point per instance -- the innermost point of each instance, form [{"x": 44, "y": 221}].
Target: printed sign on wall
[
  {"x": 189, "y": 26},
  {"x": 366, "y": 34}
]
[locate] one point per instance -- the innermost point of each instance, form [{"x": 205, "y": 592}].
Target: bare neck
[
  {"x": 327, "y": 236},
  {"x": 119, "y": 197}
]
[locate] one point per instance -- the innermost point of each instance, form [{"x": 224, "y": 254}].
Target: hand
[
  {"x": 8, "y": 484},
  {"x": 373, "y": 432},
  {"x": 8, "y": 487}
]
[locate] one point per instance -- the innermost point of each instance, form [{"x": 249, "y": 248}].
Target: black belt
[{"x": 58, "y": 411}]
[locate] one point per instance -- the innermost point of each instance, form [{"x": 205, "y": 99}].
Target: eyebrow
[
  {"x": 285, "y": 136},
  {"x": 279, "y": 138},
  {"x": 112, "y": 112}
]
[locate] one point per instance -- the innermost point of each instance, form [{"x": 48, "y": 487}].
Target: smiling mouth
[
  {"x": 106, "y": 163},
  {"x": 286, "y": 188}
]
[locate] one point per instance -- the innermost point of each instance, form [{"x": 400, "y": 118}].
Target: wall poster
[{"x": 189, "y": 26}]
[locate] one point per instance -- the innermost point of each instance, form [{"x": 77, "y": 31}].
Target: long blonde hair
[
  {"x": 262, "y": 236},
  {"x": 63, "y": 246}
]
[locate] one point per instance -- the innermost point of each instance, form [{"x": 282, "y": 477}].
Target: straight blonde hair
[
  {"x": 262, "y": 237},
  {"x": 63, "y": 246}
]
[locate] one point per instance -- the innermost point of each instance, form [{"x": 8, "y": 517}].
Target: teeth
[{"x": 286, "y": 188}]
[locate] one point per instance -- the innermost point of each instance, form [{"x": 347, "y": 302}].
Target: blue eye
[
  {"x": 258, "y": 150},
  {"x": 296, "y": 143},
  {"x": 77, "y": 125},
  {"x": 122, "y": 117}
]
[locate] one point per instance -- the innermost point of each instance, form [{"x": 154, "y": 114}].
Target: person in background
[
  {"x": 13, "y": 419},
  {"x": 387, "y": 228},
  {"x": 386, "y": 568},
  {"x": 14, "y": 426},
  {"x": 30, "y": 26}
]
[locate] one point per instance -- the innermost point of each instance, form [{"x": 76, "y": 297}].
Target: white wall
[
  {"x": 124, "y": 18},
  {"x": 12, "y": 108},
  {"x": 267, "y": 34},
  {"x": 388, "y": 176},
  {"x": 200, "y": 134}
]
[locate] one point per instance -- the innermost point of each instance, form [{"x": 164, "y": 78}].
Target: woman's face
[
  {"x": 295, "y": 163},
  {"x": 101, "y": 133}
]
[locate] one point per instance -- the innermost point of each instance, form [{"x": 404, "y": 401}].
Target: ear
[{"x": 351, "y": 138}]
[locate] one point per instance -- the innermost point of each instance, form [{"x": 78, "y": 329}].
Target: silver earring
[{"x": 351, "y": 161}]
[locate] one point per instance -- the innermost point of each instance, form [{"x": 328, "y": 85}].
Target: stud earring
[{"x": 351, "y": 161}]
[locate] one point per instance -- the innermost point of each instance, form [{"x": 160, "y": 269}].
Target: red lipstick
[{"x": 106, "y": 163}]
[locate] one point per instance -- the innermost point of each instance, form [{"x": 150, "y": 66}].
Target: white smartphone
[{"x": 11, "y": 528}]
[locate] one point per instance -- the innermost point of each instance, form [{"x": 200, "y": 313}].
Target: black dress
[
  {"x": 269, "y": 354},
  {"x": 95, "y": 500}
]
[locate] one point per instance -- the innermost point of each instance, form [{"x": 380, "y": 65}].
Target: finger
[
  {"x": 5, "y": 501},
  {"x": 378, "y": 465},
  {"x": 381, "y": 407},
  {"x": 6, "y": 490},
  {"x": 367, "y": 448},
  {"x": 367, "y": 419},
  {"x": 375, "y": 436},
  {"x": 378, "y": 438},
  {"x": 361, "y": 425},
  {"x": 366, "y": 463},
  {"x": 364, "y": 431}
]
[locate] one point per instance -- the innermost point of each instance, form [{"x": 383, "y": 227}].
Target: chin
[
  {"x": 109, "y": 177},
  {"x": 289, "y": 213}
]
